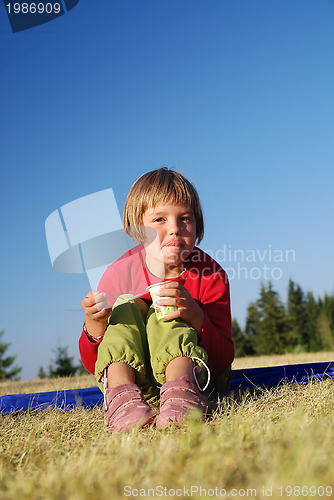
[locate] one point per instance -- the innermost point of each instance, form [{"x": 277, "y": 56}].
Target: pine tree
[
  {"x": 253, "y": 320},
  {"x": 297, "y": 318},
  {"x": 64, "y": 366},
  {"x": 328, "y": 309},
  {"x": 6, "y": 372},
  {"x": 325, "y": 332},
  {"x": 267, "y": 323},
  {"x": 238, "y": 338},
  {"x": 312, "y": 309},
  {"x": 41, "y": 373},
  {"x": 251, "y": 329}
]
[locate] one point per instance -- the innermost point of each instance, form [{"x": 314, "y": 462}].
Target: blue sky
[{"x": 237, "y": 95}]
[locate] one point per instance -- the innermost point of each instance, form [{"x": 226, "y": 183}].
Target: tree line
[
  {"x": 304, "y": 324},
  {"x": 7, "y": 370},
  {"x": 62, "y": 366}
]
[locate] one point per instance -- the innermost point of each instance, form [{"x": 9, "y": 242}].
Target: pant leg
[
  {"x": 220, "y": 384},
  {"x": 168, "y": 339},
  {"x": 125, "y": 340}
]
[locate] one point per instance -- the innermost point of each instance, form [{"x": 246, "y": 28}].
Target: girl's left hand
[{"x": 187, "y": 308}]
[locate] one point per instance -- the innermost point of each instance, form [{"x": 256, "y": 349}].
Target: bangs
[{"x": 168, "y": 190}]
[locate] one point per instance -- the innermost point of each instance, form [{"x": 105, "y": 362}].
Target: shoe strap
[
  {"x": 104, "y": 379},
  {"x": 197, "y": 369}
]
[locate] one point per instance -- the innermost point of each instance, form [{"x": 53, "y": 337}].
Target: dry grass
[
  {"x": 46, "y": 385},
  {"x": 279, "y": 437},
  {"x": 282, "y": 359}
]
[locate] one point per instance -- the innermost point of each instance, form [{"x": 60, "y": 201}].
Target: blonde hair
[{"x": 159, "y": 187}]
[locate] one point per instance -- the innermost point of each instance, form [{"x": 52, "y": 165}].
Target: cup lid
[{"x": 159, "y": 284}]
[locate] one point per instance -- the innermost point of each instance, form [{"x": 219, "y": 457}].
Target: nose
[{"x": 175, "y": 227}]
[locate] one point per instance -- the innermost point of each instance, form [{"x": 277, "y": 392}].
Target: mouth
[{"x": 175, "y": 244}]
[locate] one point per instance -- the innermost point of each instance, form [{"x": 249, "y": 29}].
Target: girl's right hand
[{"x": 96, "y": 307}]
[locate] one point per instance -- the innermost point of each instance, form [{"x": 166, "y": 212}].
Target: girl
[{"x": 133, "y": 353}]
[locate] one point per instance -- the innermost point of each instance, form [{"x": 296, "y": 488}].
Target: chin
[
  {"x": 174, "y": 257},
  {"x": 172, "y": 262}
]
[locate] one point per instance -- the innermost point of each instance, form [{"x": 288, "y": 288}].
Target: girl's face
[{"x": 171, "y": 236}]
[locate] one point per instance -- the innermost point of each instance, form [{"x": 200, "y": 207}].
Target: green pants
[{"x": 135, "y": 336}]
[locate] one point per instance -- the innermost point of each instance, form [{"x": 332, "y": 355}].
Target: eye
[{"x": 158, "y": 219}]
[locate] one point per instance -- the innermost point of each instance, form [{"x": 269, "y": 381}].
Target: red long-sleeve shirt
[{"x": 206, "y": 282}]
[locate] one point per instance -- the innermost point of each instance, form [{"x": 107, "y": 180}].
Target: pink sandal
[
  {"x": 179, "y": 398},
  {"x": 125, "y": 408}
]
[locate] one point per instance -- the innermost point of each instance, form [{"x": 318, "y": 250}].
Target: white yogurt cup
[{"x": 160, "y": 311}]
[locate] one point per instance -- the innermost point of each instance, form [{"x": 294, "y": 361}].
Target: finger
[
  {"x": 174, "y": 314},
  {"x": 100, "y": 307},
  {"x": 171, "y": 292},
  {"x": 91, "y": 298},
  {"x": 91, "y": 294},
  {"x": 171, "y": 285},
  {"x": 171, "y": 301},
  {"x": 100, "y": 315},
  {"x": 95, "y": 298},
  {"x": 99, "y": 296},
  {"x": 167, "y": 293}
]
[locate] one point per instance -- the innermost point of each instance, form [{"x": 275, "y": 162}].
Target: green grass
[{"x": 278, "y": 438}]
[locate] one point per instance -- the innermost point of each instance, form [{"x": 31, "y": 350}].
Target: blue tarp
[
  {"x": 250, "y": 378},
  {"x": 65, "y": 400},
  {"x": 247, "y": 378}
]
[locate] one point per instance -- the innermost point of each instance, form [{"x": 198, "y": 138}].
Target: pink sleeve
[{"x": 88, "y": 352}]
